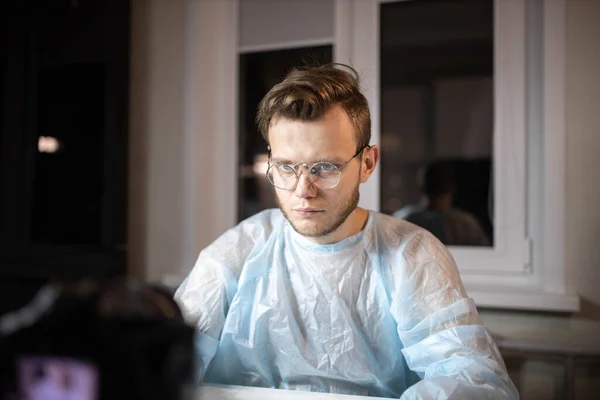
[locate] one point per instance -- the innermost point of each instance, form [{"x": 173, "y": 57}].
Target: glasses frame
[{"x": 296, "y": 166}]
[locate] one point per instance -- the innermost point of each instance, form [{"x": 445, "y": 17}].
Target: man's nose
[{"x": 305, "y": 186}]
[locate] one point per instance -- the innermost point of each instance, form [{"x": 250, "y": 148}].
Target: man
[{"x": 322, "y": 295}]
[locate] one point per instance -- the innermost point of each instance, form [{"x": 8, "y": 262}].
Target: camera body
[{"x": 97, "y": 341}]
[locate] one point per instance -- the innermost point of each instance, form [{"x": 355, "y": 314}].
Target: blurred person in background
[{"x": 451, "y": 226}]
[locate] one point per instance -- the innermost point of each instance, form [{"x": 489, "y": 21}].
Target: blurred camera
[{"x": 90, "y": 340}]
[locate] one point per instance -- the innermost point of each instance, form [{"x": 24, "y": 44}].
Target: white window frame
[
  {"x": 508, "y": 256},
  {"x": 526, "y": 267}
]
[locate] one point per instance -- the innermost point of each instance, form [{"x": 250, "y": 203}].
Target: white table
[{"x": 217, "y": 392}]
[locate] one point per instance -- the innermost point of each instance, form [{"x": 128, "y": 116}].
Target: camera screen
[{"x": 54, "y": 378}]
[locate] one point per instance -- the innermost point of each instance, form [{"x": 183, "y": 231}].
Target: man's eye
[
  {"x": 323, "y": 168},
  {"x": 285, "y": 168}
]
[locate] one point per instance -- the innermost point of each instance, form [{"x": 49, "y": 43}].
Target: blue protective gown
[{"x": 382, "y": 313}]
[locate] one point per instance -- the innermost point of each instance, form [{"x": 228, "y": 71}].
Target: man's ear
[{"x": 370, "y": 157}]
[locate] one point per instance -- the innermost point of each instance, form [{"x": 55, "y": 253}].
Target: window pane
[
  {"x": 437, "y": 117},
  {"x": 258, "y": 73},
  {"x": 69, "y": 153}
]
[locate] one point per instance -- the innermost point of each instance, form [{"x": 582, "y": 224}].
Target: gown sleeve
[
  {"x": 444, "y": 340},
  {"x": 206, "y": 293}
]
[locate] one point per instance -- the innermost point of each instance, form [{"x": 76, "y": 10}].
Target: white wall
[
  {"x": 178, "y": 176},
  {"x": 583, "y": 146},
  {"x": 156, "y": 126}
]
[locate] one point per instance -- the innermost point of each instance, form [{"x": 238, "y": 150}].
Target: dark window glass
[
  {"x": 68, "y": 181},
  {"x": 437, "y": 116}
]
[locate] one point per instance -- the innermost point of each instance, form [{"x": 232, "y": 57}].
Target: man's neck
[{"x": 355, "y": 223}]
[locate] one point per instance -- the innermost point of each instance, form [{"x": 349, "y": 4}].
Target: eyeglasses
[{"x": 324, "y": 175}]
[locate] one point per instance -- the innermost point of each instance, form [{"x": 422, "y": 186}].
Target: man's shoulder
[
  {"x": 396, "y": 227},
  {"x": 412, "y": 242},
  {"x": 399, "y": 235}
]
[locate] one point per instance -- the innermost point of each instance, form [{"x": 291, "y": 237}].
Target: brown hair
[{"x": 307, "y": 93}]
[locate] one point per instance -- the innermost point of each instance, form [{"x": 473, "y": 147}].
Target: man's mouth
[{"x": 307, "y": 212}]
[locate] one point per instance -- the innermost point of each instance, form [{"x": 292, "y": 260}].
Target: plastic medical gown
[{"x": 381, "y": 313}]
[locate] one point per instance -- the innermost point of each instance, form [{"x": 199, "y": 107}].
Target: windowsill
[
  {"x": 521, "y": 300},
  {"x": 527, "y": 331}
]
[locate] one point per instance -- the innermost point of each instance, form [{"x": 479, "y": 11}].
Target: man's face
[{"x": 320, "y": 214}]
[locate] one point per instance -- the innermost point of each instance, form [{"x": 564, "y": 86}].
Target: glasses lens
[
  {"x": 282, "y": 176},
  {"x": 325, "y": 175}
]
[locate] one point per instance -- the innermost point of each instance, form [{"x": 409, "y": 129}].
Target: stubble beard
[{"x": 331, "y": 222}]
